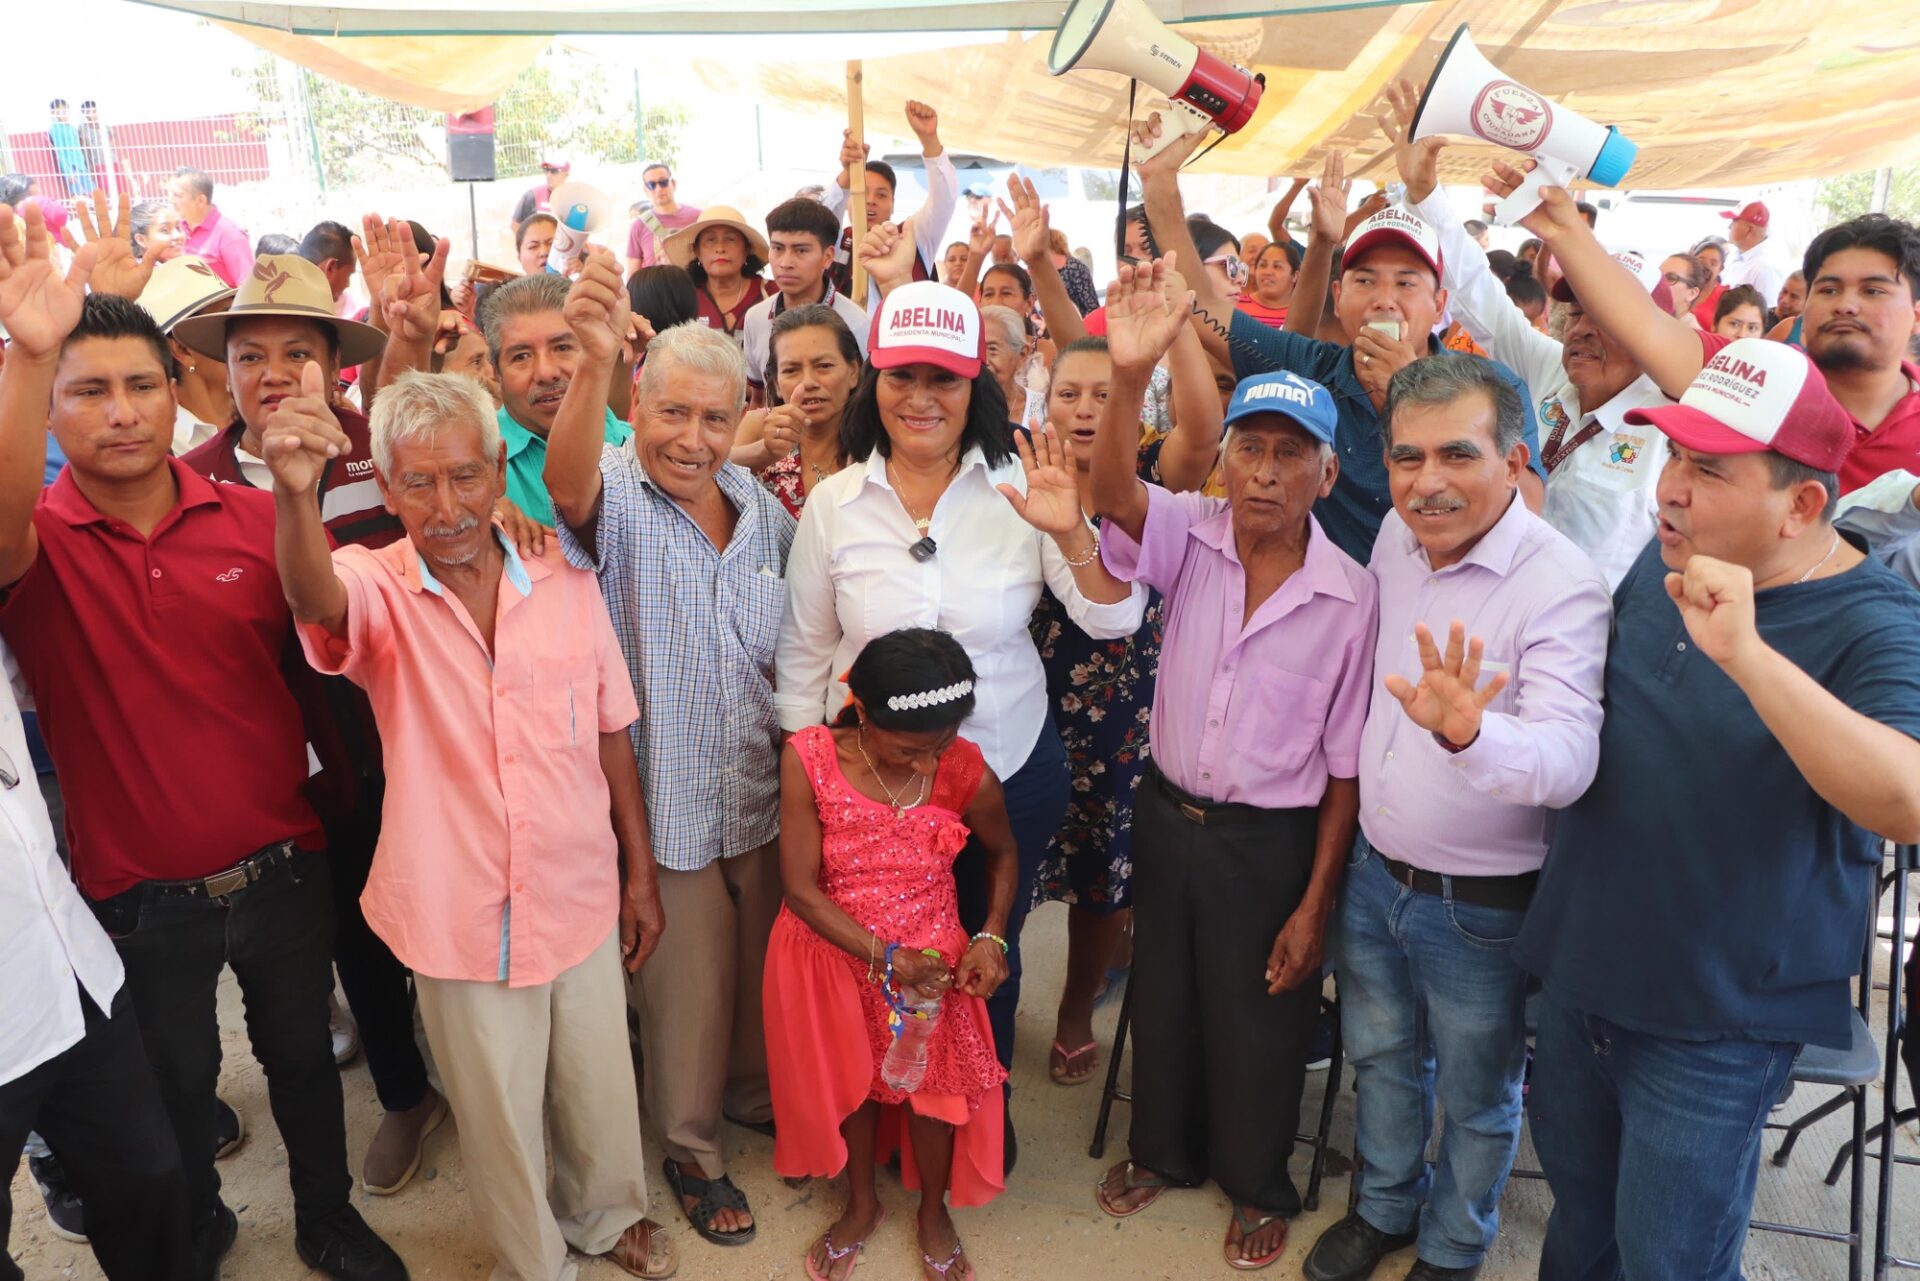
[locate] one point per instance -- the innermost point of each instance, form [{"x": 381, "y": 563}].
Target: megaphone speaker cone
[{"x": 1077, "y": 31}]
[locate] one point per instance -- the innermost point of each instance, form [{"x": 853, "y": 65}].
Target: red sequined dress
[{"x": 827, "y": 1026}]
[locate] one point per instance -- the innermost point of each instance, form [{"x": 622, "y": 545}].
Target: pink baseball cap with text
[
  {"x": 927, "y": 323},
  {"x": 1755, "y": 395}
]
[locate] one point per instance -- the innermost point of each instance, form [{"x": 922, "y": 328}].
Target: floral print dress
[{"x": 1102, "y": 692}]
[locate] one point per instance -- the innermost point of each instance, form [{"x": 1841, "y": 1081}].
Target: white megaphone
[
  {"x": 581, "y": 209},
  {"x": 1124, "y": 36},
  {"x": 1468, "y": 96}
]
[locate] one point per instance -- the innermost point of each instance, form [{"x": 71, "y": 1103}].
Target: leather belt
[
  {"x": 255, "y": 867},
  {"x": 1205, "y": 813},
  {"x": 1482, "y": 891}
]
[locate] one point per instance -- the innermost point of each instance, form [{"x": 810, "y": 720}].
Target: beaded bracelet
[
  {"x": 1093, "y": 554},
  {"x": 995, "y": 937}
]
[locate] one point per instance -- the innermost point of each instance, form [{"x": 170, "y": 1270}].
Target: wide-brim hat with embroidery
[
  {"x": 181, "y": 287},
  {"x": 679, "y": 247},
  {"x": 282, "y": 285}
]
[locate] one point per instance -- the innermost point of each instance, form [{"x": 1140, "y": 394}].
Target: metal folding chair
[
  {"x": 1852, "y": 1069},
  {"x": 1112, "y": 1094}
]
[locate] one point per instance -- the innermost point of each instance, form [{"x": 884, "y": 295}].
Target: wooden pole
[{"x": 857, "y": 179}]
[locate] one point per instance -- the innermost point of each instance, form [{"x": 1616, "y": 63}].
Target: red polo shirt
[
  {"x": 156, "y": 666},
  {"x": 1892, "y": 444}
]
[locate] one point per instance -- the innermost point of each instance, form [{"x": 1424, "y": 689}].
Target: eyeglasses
[
  {"x": 1674, "y": 278},
  {"x": 553, "y": 169},
  {"x": 659, "y": 184},
  {"x": 1231, "y": 264},
  {"x": 9, "y": 776}
]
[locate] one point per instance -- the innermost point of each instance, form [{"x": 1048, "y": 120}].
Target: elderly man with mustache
[
  {"x": 514, "y": 871},
  {"x": 1465, "y": 754}
]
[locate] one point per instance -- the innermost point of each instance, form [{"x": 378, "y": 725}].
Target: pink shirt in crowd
[
  {"x": 641, "y": 244},
  {"x": 1253, "y": 711},
  {"x": 496, "y": 858},
  {"x": 1544, "y": 611},
  {"x": 223, "y": 243}
]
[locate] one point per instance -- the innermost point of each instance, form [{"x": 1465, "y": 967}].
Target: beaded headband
[{"x": 931, "y": 698}]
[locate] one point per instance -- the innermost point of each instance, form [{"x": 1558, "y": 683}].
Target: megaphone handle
[
  {"x": 1526, "y": 197},
  {"x": 1182, "y": 120}
]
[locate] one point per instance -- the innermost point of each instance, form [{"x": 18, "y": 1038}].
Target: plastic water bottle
[{"x": 905, "y": 1065}]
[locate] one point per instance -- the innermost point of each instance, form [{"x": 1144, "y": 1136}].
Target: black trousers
[
  {"x": 375, "y": 982},
  {"x": 98, "y": 1104},
  {"x": 1217, "y": 1063},
  {"x": 277, "y": 934}
]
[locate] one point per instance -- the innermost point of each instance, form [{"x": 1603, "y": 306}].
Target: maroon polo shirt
[
  {"x": 156, "y": 666},
  {"x": 339, "y": 720}
]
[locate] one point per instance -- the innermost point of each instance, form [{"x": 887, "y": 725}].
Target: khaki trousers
[
  {"x": 702, "y": 1043},
  {"x": 515, "y": 1060}
]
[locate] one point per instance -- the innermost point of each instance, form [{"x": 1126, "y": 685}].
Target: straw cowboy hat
[
  {"x": 282, "y": 285},
  {"x": 679, "y": 246},
  {"x": 179, "y": 288}
]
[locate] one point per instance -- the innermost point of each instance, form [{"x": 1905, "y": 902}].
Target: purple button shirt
[
  {"x": 1543, "y": 610},
  {"x": 1253, "y": 711}
]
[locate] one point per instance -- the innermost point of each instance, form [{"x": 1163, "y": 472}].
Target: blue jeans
[
  {"x": 1430, "y": 1006},
  {"x": 1651, "y": 1147}
]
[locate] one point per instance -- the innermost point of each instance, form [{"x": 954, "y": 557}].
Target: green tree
[
  {"x": 1851, "y": 195},
  {"x": 564, "y": 101}
]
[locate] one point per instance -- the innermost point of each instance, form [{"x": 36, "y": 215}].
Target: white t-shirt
[{"x": 756, "y": 331}]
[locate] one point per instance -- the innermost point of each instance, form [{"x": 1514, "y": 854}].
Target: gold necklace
[{"x": 893, "y": 797}]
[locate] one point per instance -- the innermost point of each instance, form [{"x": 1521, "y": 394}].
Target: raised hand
[
  {"x": 980, "y": 235},
  {"x": 1026, "y": 220},
  {"x": 1449, "y": 700},
  {"x": 887, "y": 254},
  {"x": 1329, "y": 198},
  {"x": 1417, "y": 161},
  {"x": 1052, "y": 501},
  {"x": 1372, "y": 205},
  {"x": 38, "y": 306},
  {"x": 115, "y": 268},
  {"x": 850, "y": 154},
  {"x": 302, "y": 435},
  {"x": 1144, "y": 315},
  {"x": 1167, "y": 163},
  {"x": 925, "y": 123},
  {"x": 1716, "y": 603},
  {"x": 1554, "y": 217},
  {"x": 380, "y": 256},
  {"x": 412, "y": 299},
  {"x": 597, "y": 309}
]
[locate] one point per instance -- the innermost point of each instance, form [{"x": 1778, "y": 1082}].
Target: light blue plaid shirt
[{"x": 698, "y": 627}]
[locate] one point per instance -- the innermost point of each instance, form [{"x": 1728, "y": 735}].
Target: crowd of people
[{"x": 1368, "y": 635}]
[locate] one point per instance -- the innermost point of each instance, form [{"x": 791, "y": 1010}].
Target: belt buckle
[
  {"x": 225, "y": 883},
  {"x": 1193, "y": 813}
]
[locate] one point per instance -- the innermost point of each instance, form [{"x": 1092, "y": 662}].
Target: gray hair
[
  {"x": 417, "y": 406},
  {"x": 692, "y": 345},
  {"x": 1446, "y": 378},
  {"x": 521, "y": 296},
  {"x": 1013, "y": 329}
]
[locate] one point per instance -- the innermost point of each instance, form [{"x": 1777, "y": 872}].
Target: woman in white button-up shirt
[{"x": 935, "y": 523}]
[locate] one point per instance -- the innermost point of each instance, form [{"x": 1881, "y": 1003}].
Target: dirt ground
[{"x": 1045, "y": 1226}]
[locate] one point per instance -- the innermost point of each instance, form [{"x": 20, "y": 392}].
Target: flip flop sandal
[
  {"x": 1132, "y": 1180},
  {"x": 713, "y": 1196},
  {"x": 944, "y": 1268},
  {"x": 836, "y": 1253},
  {"x": 1249, "y": 1223},
  {"x": 1061, "y": 1070}
]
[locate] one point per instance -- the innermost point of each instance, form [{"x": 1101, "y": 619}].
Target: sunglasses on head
[{"x": 655, "y": 184}]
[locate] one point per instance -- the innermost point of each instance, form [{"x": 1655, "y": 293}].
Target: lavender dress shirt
[
  {"x": 1543, "y": 609},
  {"x": 1256, "y": 711}
]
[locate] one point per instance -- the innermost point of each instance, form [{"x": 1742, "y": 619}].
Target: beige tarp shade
[
  {"x": 1715, "y": 92},
  {"x": 444, "y": 73}
]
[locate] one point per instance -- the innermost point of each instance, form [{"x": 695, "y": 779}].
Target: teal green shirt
[{"x": 527, "y": 461}]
